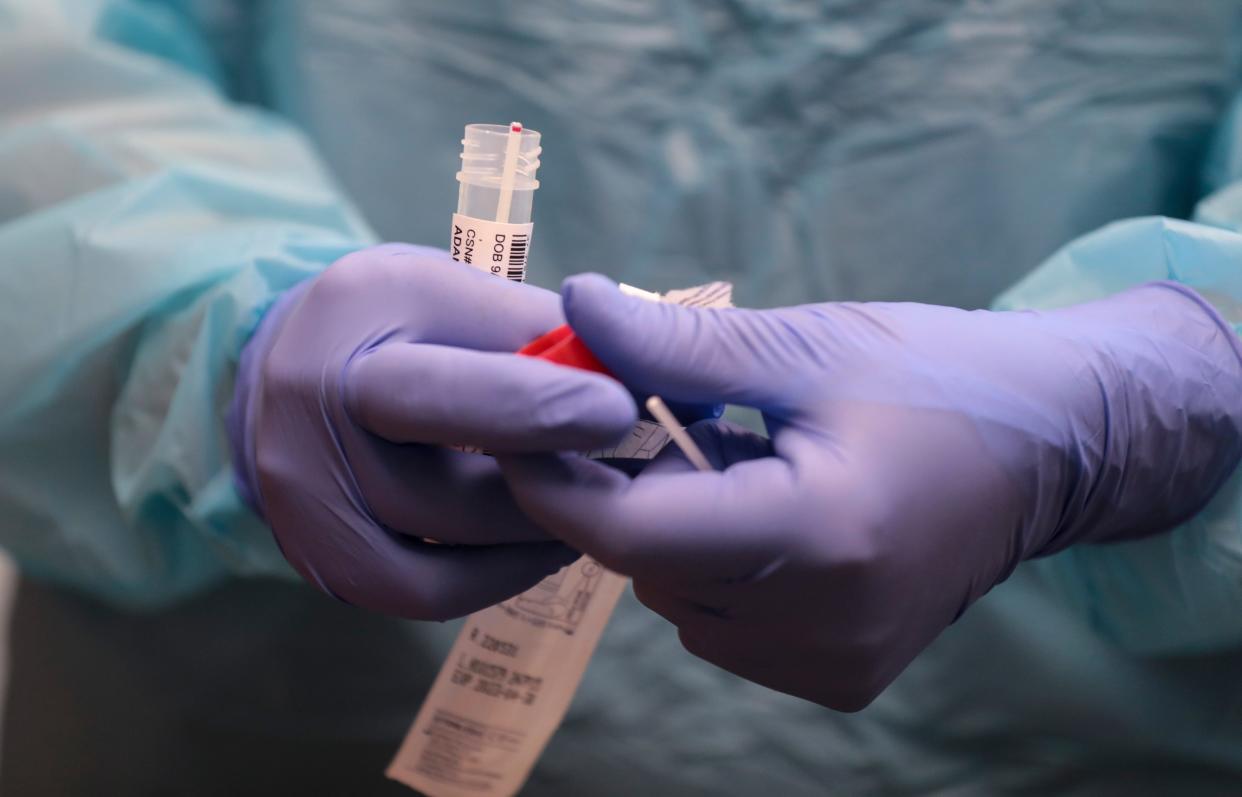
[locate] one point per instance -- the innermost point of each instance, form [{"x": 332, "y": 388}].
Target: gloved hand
[
  {"x": 348, "y": 394},
  {"x": 917, "y": 455}
]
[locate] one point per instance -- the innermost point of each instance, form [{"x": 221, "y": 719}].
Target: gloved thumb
[{"x": 685, "y": 354}]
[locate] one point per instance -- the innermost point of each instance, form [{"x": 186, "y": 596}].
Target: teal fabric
[
  {"x": 145, "y": 223},
  {"x": 931, "y": 151}
]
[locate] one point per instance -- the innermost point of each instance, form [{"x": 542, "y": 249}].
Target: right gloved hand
[
  {"x": 918, "y": 454},
  {"x": 348, "y": 394}
]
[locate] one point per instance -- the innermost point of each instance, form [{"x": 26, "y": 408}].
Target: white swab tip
[{"x": 660, "y": 411}]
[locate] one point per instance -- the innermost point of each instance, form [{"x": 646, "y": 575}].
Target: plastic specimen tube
[{"x": 513, "y": 670}]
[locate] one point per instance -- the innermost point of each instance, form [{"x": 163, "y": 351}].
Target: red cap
[{"x": 562, "y": 346}]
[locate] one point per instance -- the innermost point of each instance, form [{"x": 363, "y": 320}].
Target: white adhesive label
[
  {"x": 506, "y": 684},
  {"x": 512, "y": 672},
  {"x": 491, "y": 246}
]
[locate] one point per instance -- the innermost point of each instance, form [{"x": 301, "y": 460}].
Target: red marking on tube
[{"x": 515, "y": 127}]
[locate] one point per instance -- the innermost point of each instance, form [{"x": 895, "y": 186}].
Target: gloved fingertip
[
  {"x": 589, "y": 298},
  {"x": 617, "y": 411},
  {"x": 586, "y": 281},
  {"x": 580, "y": 410}
]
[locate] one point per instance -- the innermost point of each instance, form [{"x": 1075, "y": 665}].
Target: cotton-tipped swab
[{"x": 660, "y": 411}]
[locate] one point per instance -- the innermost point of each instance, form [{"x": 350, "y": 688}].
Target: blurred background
[{"x": 168, "y": 165}]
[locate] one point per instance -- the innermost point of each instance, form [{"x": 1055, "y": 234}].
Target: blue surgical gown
[{"x": 167, "y": 168}]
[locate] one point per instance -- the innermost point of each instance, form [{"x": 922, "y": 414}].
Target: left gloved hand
[
  {"x": 349, "y": 399},
  {"x": 918, "y": 454}
]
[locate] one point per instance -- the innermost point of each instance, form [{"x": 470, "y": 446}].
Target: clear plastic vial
[{"x": 482, "y": 176}]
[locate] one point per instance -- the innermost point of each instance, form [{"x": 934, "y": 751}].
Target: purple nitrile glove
[
  {"x": 346, "y": 399},
  {"x": 917, "y": 455}
]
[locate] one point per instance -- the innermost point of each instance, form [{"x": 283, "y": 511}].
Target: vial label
[{"x": 492, "y": 246}]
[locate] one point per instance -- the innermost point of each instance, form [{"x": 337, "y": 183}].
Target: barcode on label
[
  {"x": 494, "y": 247},
  {"x": 517, "y": 258}
]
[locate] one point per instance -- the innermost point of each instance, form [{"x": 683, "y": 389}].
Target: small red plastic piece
[{"x": 562, "y": 346}]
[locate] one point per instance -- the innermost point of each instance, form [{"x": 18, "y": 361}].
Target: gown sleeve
[
  {"x": 1181, "y": 592},
  {"x": 146, "y": 223}
]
